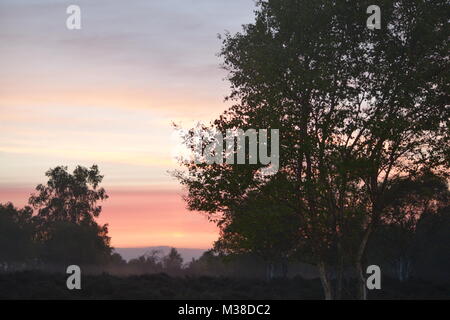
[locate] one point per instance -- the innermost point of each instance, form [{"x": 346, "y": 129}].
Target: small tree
[
  {"x": 410, "y": 203},
  {"x": 173, "y": 262},
  {"x": 150, "y": 262},
  {"x": 70, "y": 243},
  {"x": 262, "y": 227},
  {"x": 67, "y": 206},
  {"x": 16, "y": 235},
  {"x": 70, "y": 197}
]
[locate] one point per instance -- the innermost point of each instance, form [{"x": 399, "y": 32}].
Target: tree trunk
[
  {"x": 326, "y": 284},
  {"x": 269, "y": 270},
  {"x": 339, "y": 276},
  {"x": 407, "y": 269},
  {"x": 362, "y": 290},
  {"x": 403, "y": 268},
  {"x": 361, "y": 279},
  {"x": 284, "y": 268},
  {"x": 400, "y": 269}
]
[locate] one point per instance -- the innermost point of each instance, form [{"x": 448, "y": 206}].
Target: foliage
[
  {"x": 62, "y": 230},
  {"x": 70, "y": 197},
  {"x": 16, "y": 234},
  {"x": 357, "y": 109}
]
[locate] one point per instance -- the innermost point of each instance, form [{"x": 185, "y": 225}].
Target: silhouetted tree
[
  {"x": 292, "y": 70},
  {"x": 70, "y": 243},
  {"x": 262, "y": 227},
  {"x": 413, "y": 205},
  {"x": 209, "y": 264},
  {"x": 172, "y": 262},
  {"x": 117, "y": 260},
  {"x": 67, "y": 206},
  {"x": 356, "y": 109},
  {"x": 16, "y": 235},
  {"x": 432, "y": 256},
  {"x": 147, "y": 263},
  {"x": 69, "y": 197}
]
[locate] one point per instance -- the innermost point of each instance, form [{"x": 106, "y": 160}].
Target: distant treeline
[{"x": 59, "y": 229}]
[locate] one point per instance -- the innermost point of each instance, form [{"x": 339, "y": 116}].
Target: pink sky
[
  {"x": 107, "y": 94},
  {"x": 139, "y": 217}
]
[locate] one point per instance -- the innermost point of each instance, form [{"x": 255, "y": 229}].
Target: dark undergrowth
[{"x": 39, "y": 285}]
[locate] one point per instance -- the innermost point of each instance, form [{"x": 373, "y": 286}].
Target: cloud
[
  {"x": 151, "y": 54},
  {"x": 107, "y": 94}
]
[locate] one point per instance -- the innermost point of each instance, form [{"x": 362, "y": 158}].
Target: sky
[{"x": 108, "y": 94}]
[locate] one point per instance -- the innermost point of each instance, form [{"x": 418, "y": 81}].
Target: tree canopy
[
  {"x": 62, "y": 228},
  {"x": 356, "y": 108}
]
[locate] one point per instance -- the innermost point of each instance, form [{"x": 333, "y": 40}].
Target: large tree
[
  {"x": 290, "y": 70},
  {"x": 402, "y": 126},
  {"x": 356, "y": 109}
]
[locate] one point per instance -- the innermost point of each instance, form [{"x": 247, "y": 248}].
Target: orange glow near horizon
[{"x": 143, "y": 217}]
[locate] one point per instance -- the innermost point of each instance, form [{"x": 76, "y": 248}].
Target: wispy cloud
[{"x": 107, "y": 94}]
